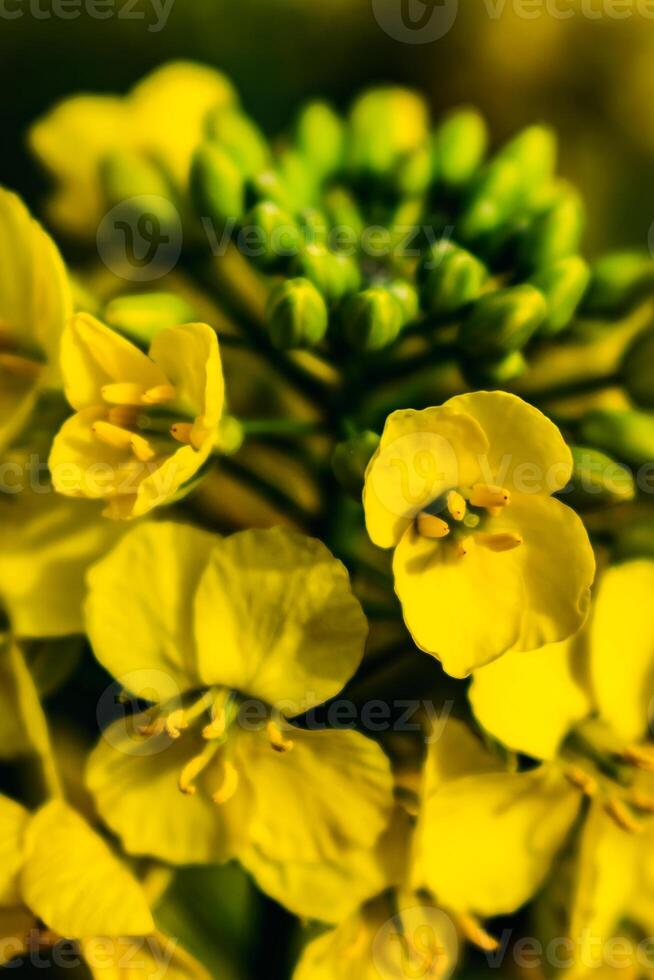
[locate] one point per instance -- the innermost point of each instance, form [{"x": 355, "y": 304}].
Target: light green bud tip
[
  {"x": 534, "y": 151},
  {"x": 619, "y": 282},
  {"x": 239, "y": 137},
  {"x": 335, "y": 275},
  {"x": 141, "y": 316},
  {"x": 628, "y": 435},
  {"x": 495, "y": 371},
  {"x": 296, "y": 314},
  {"x": 372, "y": 319},
  {"x": 407, "y": 296},
  {"x": 491, "y": 200},
  {"x": 502, "y": 321},
  {"x": 554, "y": 233},
  {"x": 414, "y": 172},
  {"x": 278, "y": 237},
  {"x": 230, "y": 435},
  {"x": 597, "y": 479},
  {"x": 385, "y": 124},
  {"x": 460, "y": 144},
  {"x": 217, "y": 185},
  {"x": 451, "y": 280},
  {"x": 350, "y": 459},
  {"x": 320, "y": 137},
  {"x": 638, "y": 369},
  {"x": 563, "y": 285}
]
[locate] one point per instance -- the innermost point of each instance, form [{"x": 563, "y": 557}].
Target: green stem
[{"x": 281, "y": 427}]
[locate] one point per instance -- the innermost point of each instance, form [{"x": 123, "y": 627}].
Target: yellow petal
[
  {"x": 135, "y": 784},
  {"x": 421, "y": 455},
  {"x": 93, "y": 356},
  {"x": 188, "y": 355},
  {"x": 276, "y": 619},
  {"x": 14, "y": 819},
  {"x": 16, "y": 923},
  {"x": 485, "y": 843},
  {"x": 530, "y": 701},
  {"x": 557, "y": 565},
  {"x": 455, "y": 751},
  {"x": 166, "y": 480},
  {"x": 154, "y": 956},
  {"x": 465, "y": 610},
  {"x": 73, "y": 882},
  {"x": 140, "y": 604},
  {"x": 622, "y": 648},
  {"x": 23, "y": 727},
  {"x": 327, "y": 798},
  {"x": 526, "y": 451}
]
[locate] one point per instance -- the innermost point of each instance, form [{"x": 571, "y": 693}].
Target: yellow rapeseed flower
[
  {"x": 35, "y": 302},
  {"x": 485, "y": 559},
  {"x": 144, "y": 425},
  {"x": 229, "y": 638}
]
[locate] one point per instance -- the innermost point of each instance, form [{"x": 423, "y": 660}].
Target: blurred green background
[{"x": 592, "y": 77}]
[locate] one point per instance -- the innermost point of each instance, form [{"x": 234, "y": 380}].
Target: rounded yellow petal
[
  {"x": 81, "y": 465},
  {"x": 527, "y": 452},
  {"x": 14, "y": 819},
  {"x": 530, "y": 701},
  {"x": 276, "y": 619},
  {"x": 421, "y": 455},
  {"x": 72, "y": 881},
  {"x": 139, "y": 609},
  {"x": 93, "y": 356},
  {"x": 485, "y": 843},
  {"x": 622, "y": 648},
  {"x": 188, "y": 355},
  {"x": 465, "y": 610}
]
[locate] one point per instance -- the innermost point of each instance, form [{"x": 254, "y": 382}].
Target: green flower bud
[
  {"x": 597, "y": 480},
  {"x": 494, "y": 371},
  {"x": 407, "y": 296},
  {"x": 534, "y": 151},
  {"x": 230, "y": 435},
  {"x": 217, "y": 185},
  {"x": 638, "y": 369},
  {"x": 269, "y": 186},
  {"x": 502, "y": 321},
  {"x": 296, "y": 314},
  {"x": 555, "y": 233},
  {"x": 297, "y": 176},
  {"x": 493, "y": 197},
  {"x": 636, "y": 540},
  {"x": 384, "y": 125},
  {"x": 235, "y": 133},
  {"x": 455, "y": 280},
  {"x": 278, "y": 237},
  {"x": 459, "y": 147},
  {"x": 125, "y": 174},
  {"x": 563, "y": 285},
  {"x": 315, "y": 226},
  {"x": 320, "y": 137},
  {"x": 414, "y": 172},
  {"x": 343, "y": 211},
  {"x": 372, "y": 319},
  {"x": 141, "y": 316},
  {"x": 350, "y": 460},
  {"x": 619, "y": 282},
  {"x": 628, "y": 435},
  {"x": 334, "y": 274}
]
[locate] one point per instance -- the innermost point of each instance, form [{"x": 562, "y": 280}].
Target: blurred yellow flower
[
  {"x": 144, "y": 425},
  {"x": 154, "y": 128},
  {"x": 230, "y": 638},
  {"x": 35, "y": 302},
  {"x": 485, "y": 559}
]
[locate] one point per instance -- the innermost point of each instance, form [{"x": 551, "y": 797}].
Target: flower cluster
[{"x": 326, "y": 559}]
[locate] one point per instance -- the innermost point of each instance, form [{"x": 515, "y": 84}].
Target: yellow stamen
[
  {"x": 141, "y": 448},
  {"x": 228, "y": 786},
  {"x": 154, "y": 727},
  {"x": 486, "y": 495},
  {"x": 182, "y": 431},
  {"x": 216, "y": 727},
  {"x": 112, "y": 435},
  {"x": 194, "y": 767},
  {"x": 502, "y": 541},
  {"x": 358, "y": 945},
  {"x": 124, "y": 416},
  {"x": 464, "y": 546},
  {"x": 158, "y": 395},
  {"x": 22, "y": 367},
  {"x": 123, "y": 393},
  {"x": 456, "y": 505},
  {"x": 581, "y": 780},
  {"x": 641, "y": 756},
  {"x": 621, "y": 815},
  {"x": 175, "y": 722},
  {"x": 642, "y": 801},
  {"x": 432, "y": 527},
  {"x": 276, "y": 739},
  {"x": 475, "y": 933}
]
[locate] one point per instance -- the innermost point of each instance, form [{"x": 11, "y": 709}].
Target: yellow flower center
[{"x": 459, "y": 516}]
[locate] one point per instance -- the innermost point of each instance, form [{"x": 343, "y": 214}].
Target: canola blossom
[{"x": 326, "y": 549}]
